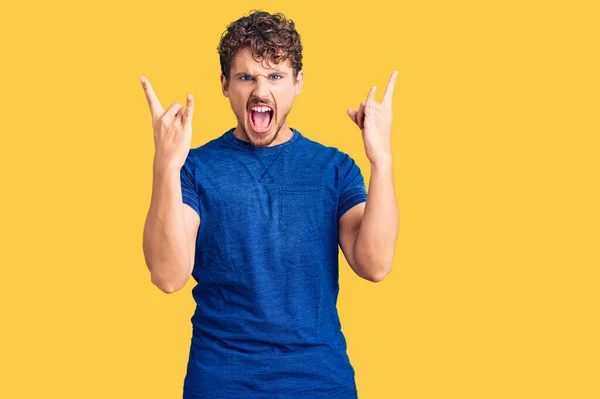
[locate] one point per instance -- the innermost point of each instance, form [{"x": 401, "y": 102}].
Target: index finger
[
  {"x": 155, "y": 108},
  {"x": 389, "y": 91}
]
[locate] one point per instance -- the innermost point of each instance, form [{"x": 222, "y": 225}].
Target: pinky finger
[{"x": 361, "y": 115}]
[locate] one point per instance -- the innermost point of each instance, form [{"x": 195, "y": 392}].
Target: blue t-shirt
[{"x": 266, "y": 266}]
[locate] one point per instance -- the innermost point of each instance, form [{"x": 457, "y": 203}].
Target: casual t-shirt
[{"x": 266, "y": 266}]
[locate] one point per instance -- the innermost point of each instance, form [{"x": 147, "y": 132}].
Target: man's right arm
[{"x": 170, "y": 233}]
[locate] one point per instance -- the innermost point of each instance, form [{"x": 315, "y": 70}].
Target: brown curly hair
[{"x": 270, "y": 37}]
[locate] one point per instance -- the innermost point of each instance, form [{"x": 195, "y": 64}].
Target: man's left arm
[{"x": 368, "y": 232}]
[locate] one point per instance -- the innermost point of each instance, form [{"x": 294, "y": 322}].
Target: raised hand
[
  {"x": 375, "y": 122},
  {"x": 172, "y": 130}
]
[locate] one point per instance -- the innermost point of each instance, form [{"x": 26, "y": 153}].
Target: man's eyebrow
[{"x": 272, "y": 73}]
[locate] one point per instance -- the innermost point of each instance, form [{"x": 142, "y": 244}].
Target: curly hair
[{"x": 270, "y": 37}]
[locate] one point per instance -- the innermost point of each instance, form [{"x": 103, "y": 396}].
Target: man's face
[{"x": 253, "y": 84}]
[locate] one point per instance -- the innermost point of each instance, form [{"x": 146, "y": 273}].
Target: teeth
[{"x": 261, "y": 109}]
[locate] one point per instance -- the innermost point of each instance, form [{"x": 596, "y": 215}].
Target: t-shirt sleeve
[
  {"x": 352, "y": 186},
  {"x": 189, "y": 194}
]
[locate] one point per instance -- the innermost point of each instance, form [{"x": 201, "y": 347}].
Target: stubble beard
[{"x": 265, "y": 142}]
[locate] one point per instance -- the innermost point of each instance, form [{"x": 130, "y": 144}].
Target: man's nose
[{"x": 262, "y": 86}]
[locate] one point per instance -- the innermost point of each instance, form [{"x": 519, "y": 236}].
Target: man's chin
[{"x": 261, "y": 139}]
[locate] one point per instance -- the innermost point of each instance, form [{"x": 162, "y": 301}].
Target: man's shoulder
[
  {"x": 210, "y": 147},
  {"x": 327, "y": 150}
]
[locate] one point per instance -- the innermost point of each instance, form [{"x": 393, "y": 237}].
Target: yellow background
[{"x": 494, "y": 290}]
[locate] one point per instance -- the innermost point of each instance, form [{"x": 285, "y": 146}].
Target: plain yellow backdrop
[{"x": 494, "y": 289}]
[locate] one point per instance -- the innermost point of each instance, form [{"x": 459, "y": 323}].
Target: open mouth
[{"x": 261, "y": 118}]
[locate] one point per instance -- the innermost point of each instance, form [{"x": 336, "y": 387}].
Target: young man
[{"x": 256, "y": 216}]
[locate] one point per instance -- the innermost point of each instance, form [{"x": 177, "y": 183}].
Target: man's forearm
[
  {"x": 376, "y": 239},
  {"x": 165, "y": 245}
]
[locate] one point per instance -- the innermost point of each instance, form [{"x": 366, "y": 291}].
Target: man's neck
[{"x": 284, "y": 134}]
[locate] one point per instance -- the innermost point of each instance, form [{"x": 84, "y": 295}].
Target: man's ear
[
  {"x": 299, "y": 82},
  {"x": 224, "y": 86}
]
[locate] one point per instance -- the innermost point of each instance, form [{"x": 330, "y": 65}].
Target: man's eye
[{"x": 243, "y": 77}]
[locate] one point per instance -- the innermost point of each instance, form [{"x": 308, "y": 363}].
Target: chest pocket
[{"x": 301, "y": 208}]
